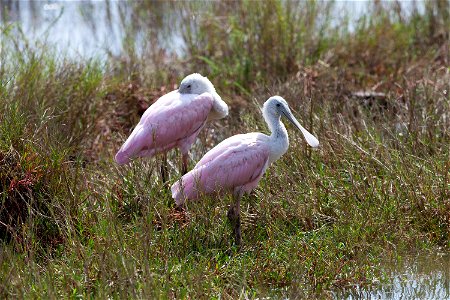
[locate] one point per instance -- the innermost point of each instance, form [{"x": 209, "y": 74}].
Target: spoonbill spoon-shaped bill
[
  {"x": 174, "y": 121},
  {"x": 238, "y": 163}
]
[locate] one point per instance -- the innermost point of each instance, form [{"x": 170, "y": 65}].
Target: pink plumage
[
  {"x": 237, "y": 163},
  {"x": 174, "y": 120}
]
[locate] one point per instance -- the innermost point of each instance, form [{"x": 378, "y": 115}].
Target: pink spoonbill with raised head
[
  {"x": 237, "y": 164},
  {"x": 174, "y": 121}
]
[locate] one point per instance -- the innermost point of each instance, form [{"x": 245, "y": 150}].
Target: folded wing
[
  {"x": 166, "y": 124},
  {"x": 237, "y": 163}
]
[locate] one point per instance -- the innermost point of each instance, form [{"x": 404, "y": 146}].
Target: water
[
  {"x": 93, "y": 28},
  {"x": 66, "y": 25},
  {"x": 105, "y": 28},
  {"x": 418, "y": 277}
]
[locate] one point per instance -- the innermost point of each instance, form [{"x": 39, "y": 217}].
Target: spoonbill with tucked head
[
  {"x": 174, "y": 120},
  {"x": 237, "y": 164}
]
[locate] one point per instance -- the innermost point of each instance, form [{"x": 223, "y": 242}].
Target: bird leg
[
  {"x": 235, "y": 218},
  {"x": 184, "y": 165},
  {"x": 164, "y": 169}
]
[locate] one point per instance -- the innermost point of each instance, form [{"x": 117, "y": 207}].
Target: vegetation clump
[{"x": 74, "y": 224}]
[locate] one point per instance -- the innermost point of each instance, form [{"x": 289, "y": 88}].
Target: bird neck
[
  {"x": 279, "y": 140},
  {"x": 278, "y": 130},
  {"x": 220, "y": 108}
]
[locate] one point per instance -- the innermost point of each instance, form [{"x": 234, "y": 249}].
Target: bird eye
[
  {"x": 189, "y": 86},
  {"x": 278, "y": 104}
]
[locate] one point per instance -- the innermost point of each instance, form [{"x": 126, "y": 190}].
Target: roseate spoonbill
[
  {"x": 174, "y": 120},
  {"x": 238, "y": 163}
]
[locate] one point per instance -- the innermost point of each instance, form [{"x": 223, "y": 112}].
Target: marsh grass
[{"x": 74, "y": 224}]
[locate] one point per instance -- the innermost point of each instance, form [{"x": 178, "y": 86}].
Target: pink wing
[
  {"x": 236, "y": 163},
  {"x": 174, "y": 120}
]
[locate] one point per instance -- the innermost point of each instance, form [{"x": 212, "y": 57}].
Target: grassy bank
[{"x": 74, "y": 224}]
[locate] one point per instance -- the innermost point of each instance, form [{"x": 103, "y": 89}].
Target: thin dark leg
[
  {"x": 164, "y": 169},
  {"x": 184, "y": 163},
  {"x": 180, "y": 208},
  {"x": 235, "y": 218}
]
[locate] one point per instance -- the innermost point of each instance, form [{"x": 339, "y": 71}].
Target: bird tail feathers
[
  {"x": 183, "y": 189},
  {"x": 131, "y": 147}
]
